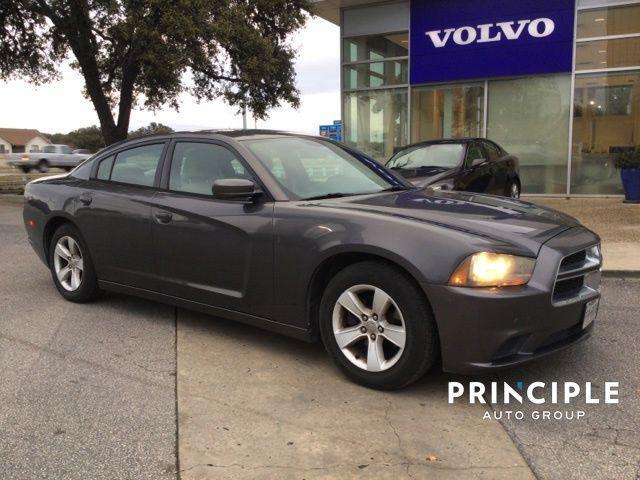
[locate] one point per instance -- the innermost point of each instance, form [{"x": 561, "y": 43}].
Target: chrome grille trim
[{"x": 578, "y": 280}]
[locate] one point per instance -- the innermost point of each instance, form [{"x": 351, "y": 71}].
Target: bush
[{"x": 630, "y": 159}]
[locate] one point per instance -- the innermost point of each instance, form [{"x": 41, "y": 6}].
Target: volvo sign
[
  {"x": 466, "y": 39},
  {"x": 489, "y": 32}
]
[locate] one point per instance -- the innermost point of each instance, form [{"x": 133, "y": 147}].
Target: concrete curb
[{"x": 621, "y": 273}]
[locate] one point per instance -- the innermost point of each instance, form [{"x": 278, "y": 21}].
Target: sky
[{"x": 59, "y": 107}]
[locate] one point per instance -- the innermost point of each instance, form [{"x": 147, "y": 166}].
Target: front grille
[{"x": 578, "y": 276}]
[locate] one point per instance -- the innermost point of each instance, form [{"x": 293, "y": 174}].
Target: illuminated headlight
[{"x": 487, "y": 269}]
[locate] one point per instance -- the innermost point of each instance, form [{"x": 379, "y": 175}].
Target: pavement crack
[{"x": 395, "y": 432}]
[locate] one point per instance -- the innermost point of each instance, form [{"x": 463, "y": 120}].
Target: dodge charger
[{"x": 310, "y": 238}]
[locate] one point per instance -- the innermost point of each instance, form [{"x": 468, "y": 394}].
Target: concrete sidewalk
[
  {"x": 616, "y": 222},
  {"x": 253, "y": 404}
]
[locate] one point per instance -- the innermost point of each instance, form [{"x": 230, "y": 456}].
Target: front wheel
[
  {"x": 43, "y": 166},
  {"x": 513, "y": 189},
  {"x": 377, "y": 326},
  {"x": 71, "y": 266}
]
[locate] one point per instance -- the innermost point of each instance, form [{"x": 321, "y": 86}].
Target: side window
[
  {"x": 474, "y": 153},
  {"x": 65, "y": 149},
  {"x": 104, "y": 169},
  {"x": 492, "y": 151},
  {"x": 137, "y": 166},
  {"x": 195, "y": 166}
]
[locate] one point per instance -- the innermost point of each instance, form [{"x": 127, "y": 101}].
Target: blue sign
[
  {"x": 333, "y": 131},
  {"x": 471, "y": 39}
]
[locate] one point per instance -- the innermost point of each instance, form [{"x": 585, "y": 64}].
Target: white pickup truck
[{"x": 58, "y": 156}]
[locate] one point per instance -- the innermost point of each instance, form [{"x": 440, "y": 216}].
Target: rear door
[
  {"x": 211, "y": 251},
  {"x": 114, "y": 214}
]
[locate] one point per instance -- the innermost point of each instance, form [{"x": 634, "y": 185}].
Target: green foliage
[
  {"x": 630, "y": 159},
  {"x": 152, "y": 129},
  {"x": 148, "y": 52},
  {"x": 88, "y": 137}
]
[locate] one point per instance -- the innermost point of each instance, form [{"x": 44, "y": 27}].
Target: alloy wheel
[
  {"x": 369, "y": 328},
  {"x": 68, "y": 263}
]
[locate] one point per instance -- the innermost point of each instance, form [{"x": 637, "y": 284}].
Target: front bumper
[{"x": 485, "y": 329}]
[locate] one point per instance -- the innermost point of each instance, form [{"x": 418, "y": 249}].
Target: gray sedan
[{"x": 315, "y": 240}]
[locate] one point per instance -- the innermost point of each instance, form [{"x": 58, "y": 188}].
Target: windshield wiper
[
  {"x": 395, "y": 188},
  {"x": 329, "y": 195}
]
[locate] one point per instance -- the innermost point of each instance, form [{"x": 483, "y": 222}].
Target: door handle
[
  {"x": 163, "y": 217},
  {"x": 86, "y": 198}
]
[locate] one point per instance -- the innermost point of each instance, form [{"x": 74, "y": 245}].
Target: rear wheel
[
  {"x": 25, "y": 169},
  {"x": 71, "y": 266},
  {"x": 377, "y": 326},
  {"x": 43, "y": 166}
]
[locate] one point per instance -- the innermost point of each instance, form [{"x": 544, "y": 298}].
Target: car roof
[
  {"x": 252, "y": 134},
  {"x": 231, "y": 134},
  {"x": 446, "y": 141}
]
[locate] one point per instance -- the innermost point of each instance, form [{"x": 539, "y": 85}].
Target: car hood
[{"x": 504, "y": 220}]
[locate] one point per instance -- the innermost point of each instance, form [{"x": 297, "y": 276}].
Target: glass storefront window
[
  {"x": 615, "y": 53},
  {"x": 529, "y": 117},
  {"x": 376, "y": 47},
  {"x": 606, "y": 122},
  {"x": 375, "y": 74},
  {"x": 447, "y": 112},
  {"x": 376, "y": 121},
  {"x": 602, "y": 22}
]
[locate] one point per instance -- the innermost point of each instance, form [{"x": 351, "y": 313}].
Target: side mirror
[
  {"x": 234, "y": 189},
  {"x": 476, "y": 162}
]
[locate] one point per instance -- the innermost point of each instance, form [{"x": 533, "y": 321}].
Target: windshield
[
  {"x": 442, "y": 155},
  {"x": 307, "y": 168}
]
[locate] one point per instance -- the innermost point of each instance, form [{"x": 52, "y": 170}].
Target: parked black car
[
  {"x": 471, "y": 165},
  {"x": 309, "y": 238}
]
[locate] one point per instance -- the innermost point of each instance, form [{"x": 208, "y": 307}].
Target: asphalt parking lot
[
  {"x": 86, "y": 392},
  {"x": 125, "y": 388}
]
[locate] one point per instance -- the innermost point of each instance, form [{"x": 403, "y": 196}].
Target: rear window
[
  {"x": 444, "y": 155},
  {"x": 104, "y": 169},
  {"x": 136, "y": 166}
]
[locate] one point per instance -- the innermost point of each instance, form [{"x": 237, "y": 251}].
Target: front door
[
  {"x": 210, "y": 251},
  {"x": 476, "y": 174}
]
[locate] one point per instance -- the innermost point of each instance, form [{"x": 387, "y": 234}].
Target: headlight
[{"x": 487, "y": 269}]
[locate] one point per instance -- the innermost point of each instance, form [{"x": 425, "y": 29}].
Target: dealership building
[{"x": 555, "y": 82}]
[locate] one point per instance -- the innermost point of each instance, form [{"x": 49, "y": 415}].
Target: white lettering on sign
[{"x": 492, "y": 32}]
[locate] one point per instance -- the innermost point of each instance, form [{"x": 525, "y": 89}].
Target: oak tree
[{"x": 149, "y": 52}]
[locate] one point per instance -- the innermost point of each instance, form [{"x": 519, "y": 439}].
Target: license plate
[{"x": 590, "y": 312}]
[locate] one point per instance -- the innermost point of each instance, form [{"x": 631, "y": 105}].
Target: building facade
[
  {"x": 19, "y": 140},
  {"x": 555, "y": 82}
]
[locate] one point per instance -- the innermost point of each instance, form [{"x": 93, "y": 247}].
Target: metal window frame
[
  {"x": 343, "y": 63},
  {"x": 605, "y": 70}
]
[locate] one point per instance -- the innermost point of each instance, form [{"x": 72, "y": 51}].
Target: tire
[
  {"x": 43, "y": 166},
  {"x": 25, "y": 169},
  {"x": 407, "y": 309},
  {"x": 512, "y": 189},
  {"x": 84, "y": 290}
]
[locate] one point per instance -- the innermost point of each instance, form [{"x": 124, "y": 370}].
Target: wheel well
[
  {"x": 52, "y": 225},
  {"x": 328, "y": 269}
]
